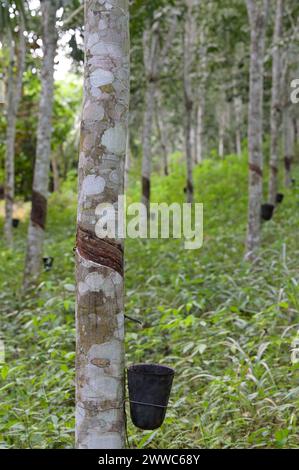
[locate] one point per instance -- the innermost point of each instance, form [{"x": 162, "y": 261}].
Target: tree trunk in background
[
  {"x": 257, "y": 12},
  {"x": 14, "y": 85},
  {"x": 200, "y": 130},
  {"x": 296, "y": 129},
  {"x": 238, "y": 117},
  {"x": 189, "y": 40},
  {"x": 222, "y": 111},
  {"x": 201, "y": 107},
  {"x": 43, "y": 146},
  {"x": 275, "y": 104},
  {"x": 154, "y": 58},
  {"x": 100, "y": 305},
  {"x": 160, "y": 122},
  {"x": 150, "y": 53},
  {"x": 127, "y": 163},
  {"x": 147, "y": 141},
  {"x": 289, "y": 137},
  {"x": 55, "y": 173},
  {"x": 222, "y": 125},
  {"x": 194, "y": 133}
]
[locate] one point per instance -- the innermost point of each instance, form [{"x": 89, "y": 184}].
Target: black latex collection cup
[
  {"x": 15, "y": 223},
  {"x": 149, "y": 390},
  {"x": 267, "y": 211},
  {"x": 48, "y": 262}
]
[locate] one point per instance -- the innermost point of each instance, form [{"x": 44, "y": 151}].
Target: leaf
[{"x": 70, "y": 287}]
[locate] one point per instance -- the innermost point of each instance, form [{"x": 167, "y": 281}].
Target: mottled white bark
[
  {"x": 275, "y": 103},
  {"x": 43, "y": 146},
  {"x": 14, "y": 92},
  {"x": 100, "y": 307},
  {"x": 257, "y": 11}
]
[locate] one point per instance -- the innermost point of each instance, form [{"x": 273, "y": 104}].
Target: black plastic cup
[
  {"x": 15, "y": 223},
  {"x": 267, "y": 211},
  {"x": 48, "y": 262},
  {"x": 149, "y": 390},
  {"x": 279, "y": 197}
]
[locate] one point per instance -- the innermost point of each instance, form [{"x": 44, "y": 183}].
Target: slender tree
[
  {"x": 99, "y": 260},
  {"x": 222, "y": 112},
  {"x": 14, "y": 92},
  {"x": 276, "y": 102},
  {"x": 257, "y": 12},
  {"x": 150, "y": 59},
  {"x": 238, "y": 114},
  {"x": 38, "y": 216},
  {"x": 189, "y": 44},
  {"x": 155, "y": 51},
  {"x": 201, "y": 107},
  {"x": 161, "y": 131},
  {"x": 127, "y": 163},
  {"x": 289, "y": 143}
]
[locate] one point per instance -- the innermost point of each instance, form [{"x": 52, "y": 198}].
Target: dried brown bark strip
[
  {"x": 104, "y": 252},
  {"x": 39, "y": 209},
  {"x": 256, "y": 169}
]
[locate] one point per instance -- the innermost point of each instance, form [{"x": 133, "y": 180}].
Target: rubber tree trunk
[
  {"x": 147, "y": 142},
  {"x": 189, "y": 38},
  {"x": 201, "y": 106},
  {"x": 38, "y": 216},
  {"x": 238, "y": 117},
  {"x": 257, "y": 11},
  {"x": 55, "y": 173},
  {"x": 275, "y": 103},
  {"x": 222, "y": 126},
  {"x": 127, "y": 163},
  {"x": 161, "y": 131},
  {"x": 200, "y": 130},
  {"x": 14, "y": 92},
  {"x": 154, "y": 56},
  {"x": 289, "y": 138},
  {"x": 100, "y": 285},
  {"x": 222, "y": 117}
]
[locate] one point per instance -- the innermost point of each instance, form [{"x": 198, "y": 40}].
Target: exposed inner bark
[
  {"x": 274, "y": 169},
  {"x": 256, "y": 169},
  {"x": 104, "y": 252},
  {"x": 190, "y": 188},
  {"x": 146, "y": 188},
  {"x": 288, "y": 163},
  {"x": 39, "y": 209}
]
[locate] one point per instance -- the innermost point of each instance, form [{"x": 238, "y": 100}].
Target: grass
[{"x": 227, "y": 327}]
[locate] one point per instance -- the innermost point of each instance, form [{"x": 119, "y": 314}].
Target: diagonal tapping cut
[{"x": 105, "y": 252}]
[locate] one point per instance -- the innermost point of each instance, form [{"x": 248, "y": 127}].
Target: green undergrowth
[{"x": 226, "y": 326}]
